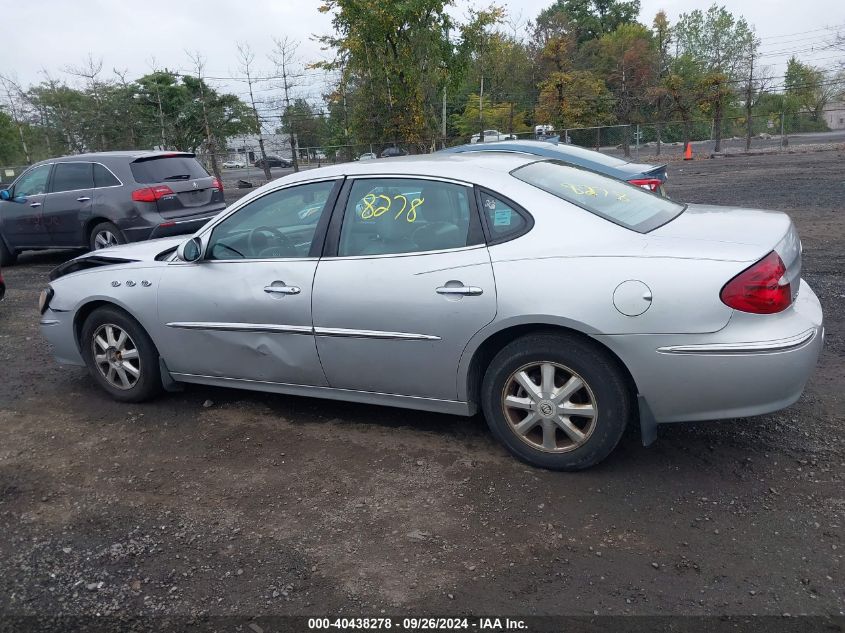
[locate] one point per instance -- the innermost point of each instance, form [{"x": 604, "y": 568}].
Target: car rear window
[
  {"x": 614, "y": 200},
  {"x": 166, "y": 169}
]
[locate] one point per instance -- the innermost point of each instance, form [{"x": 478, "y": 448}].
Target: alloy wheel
[
  {"x": 104, "y": 239},
  {"x": 116, "y": 356},
  {"x": 549, "y": 407}
]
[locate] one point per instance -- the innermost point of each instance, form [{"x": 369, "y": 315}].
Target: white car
[
  {"x": 367, "y": 156},
  {"x": 491, "y": 135},
  {"x": 234, "y": 164}
]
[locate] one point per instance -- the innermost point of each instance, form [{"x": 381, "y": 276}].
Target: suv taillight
[
  {"x": 216, "y": 184},
  {"x": 759, "y": 289},
  {"x": 651, "y": 184},
  {"x": 151, "y": 194}
]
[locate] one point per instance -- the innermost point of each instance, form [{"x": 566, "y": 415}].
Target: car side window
[
  {"x": 72, "y": 176},
  {"x": 503, "y": 221},
  {"x": 404, "y": 215},
  {"x": 33, "y": 182},
  {"x": 103, "y": 177},
  {"x": 281, "y": 224}
]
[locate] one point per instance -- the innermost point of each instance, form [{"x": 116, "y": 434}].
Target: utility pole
[
  {"x": 749, "y": 127},
  {"x": 481, "y": 91},
  {"x": 247, "y": 57},
  {"x": 284, "y": 50}
]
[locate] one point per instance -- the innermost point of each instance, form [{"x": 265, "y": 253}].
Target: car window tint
[
  {"x": 614, "y": 200},
  {"x": 33, "y": 182},
  {"x": 280, "y": 224},
  {"x": 502, "y": 220},
  {"x": 404, "y": 215},
  {"x": 103, "y": 177},
  {"x": 72, "y": 177},
  {"x": 166, "y": 169}
]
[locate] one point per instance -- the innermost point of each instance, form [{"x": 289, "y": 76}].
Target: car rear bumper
[
  {"x": 756, "y": 364},
  {"x": 168, "y": 228}
]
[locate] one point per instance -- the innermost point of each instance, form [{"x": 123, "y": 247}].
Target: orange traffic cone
[{"x": 688, "y": 152}]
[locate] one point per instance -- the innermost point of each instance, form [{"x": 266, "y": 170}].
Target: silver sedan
[{"x": 563, "y": 304}]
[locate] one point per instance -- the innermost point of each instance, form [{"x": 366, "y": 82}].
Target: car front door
[
  {"x": 405, "y": 283},
  {"x": 22, "y": 220},
  {"x": 243, "y": 310},
  {"x": 69, "y": 200}
]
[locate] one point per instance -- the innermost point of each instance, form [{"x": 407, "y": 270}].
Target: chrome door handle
[
  {"x": 34, "y": 204},
  {"x": 83, "y": 199},
  {"x": 469, "y": 291},
  {"x": 282, "y": 290}
]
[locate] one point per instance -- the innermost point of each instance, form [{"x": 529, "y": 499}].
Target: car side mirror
[
  {"x": 190, "y": 250},
  {"x": 5, "y": 195}
]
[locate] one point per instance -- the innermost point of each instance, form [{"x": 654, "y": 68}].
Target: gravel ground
[{"x": 223, "y": 502}]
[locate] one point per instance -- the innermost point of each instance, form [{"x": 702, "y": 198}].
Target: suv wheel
[
  {"x": 120, "y": 355},
  {"x": 556, "y": 401},
  {"x": 104, "y": 235}
]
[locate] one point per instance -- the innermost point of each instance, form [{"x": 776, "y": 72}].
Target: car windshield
[{"x": 614, "y": 200}]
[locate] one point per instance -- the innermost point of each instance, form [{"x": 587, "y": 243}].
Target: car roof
[
  {"x": 131, "y": 154},
  {"x": 466, "y": 167}
]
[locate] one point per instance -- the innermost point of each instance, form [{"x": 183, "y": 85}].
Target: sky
[{"x": 51, "y": 35}]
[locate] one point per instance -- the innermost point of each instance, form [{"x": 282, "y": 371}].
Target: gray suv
[{"x": 97, "y": 200}]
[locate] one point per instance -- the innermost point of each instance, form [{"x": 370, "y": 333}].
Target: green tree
[
  {"x": 719, "y": 44},
  {"x": 574, "y": 99},
  {"x": 588, "y": 19}
]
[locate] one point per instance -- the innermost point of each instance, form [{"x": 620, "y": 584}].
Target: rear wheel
[
  {"x": 120, "y": 355},
  {"x": 556, "y": 401},
  {"x": 7, "y": 256},
  {"x": 104, "y": 235}
]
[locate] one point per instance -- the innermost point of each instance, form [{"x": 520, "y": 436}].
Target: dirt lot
[{"x": 262, "y": 504}]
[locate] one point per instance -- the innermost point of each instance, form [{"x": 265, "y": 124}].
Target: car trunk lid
[{"x": 192, "y": 190}]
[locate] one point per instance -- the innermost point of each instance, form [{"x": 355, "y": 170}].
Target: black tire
[
  {"x": 7, "y": 256},
  {"x": 573, "y": 356},
  {"x": 148, "y": 382},
  {"x": 104, "y": 228}
]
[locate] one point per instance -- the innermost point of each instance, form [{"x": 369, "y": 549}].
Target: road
[{"x": 224, "y": 502}]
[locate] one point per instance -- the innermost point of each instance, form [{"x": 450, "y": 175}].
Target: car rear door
[
  {"x": 405, "y": 282},
  {"x": 22, "y": 220},
  {"x": 70, "y": 197},
  {"x": 244, "y": 310},
  {"x": 190, "y": 190}
]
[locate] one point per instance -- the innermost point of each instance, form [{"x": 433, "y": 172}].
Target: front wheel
[
  {"x": 556, "y": 401},
  {"x": 120, "y": 355}
]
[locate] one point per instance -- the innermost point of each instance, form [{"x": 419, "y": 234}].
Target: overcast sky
[{"x": 53, "y": 34}]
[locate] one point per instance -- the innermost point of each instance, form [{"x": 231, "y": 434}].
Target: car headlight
[{"x": 44, "y": 299}]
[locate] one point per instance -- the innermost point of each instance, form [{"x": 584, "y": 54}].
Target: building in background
[
  {"x": 834, "y": 115},
  {"x": 245, "y": 147}
]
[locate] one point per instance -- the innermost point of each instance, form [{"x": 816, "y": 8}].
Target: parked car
[
  {"x": 367, "y": 156},
  {"x": 234, "y": 164},
  {"x": 649, "y": 177},
  {"x": 564, "y": 304},
  {"x": 274, "y": 161},
  {"x": 491, "y": 136},
  {"x": 393, "y": 152},
  {"x": 97, "y": 200}
]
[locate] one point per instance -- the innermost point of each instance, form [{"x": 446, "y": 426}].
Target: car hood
[
  {"x": 140, "y": 251},
  {"x": 123, "y": 254}
]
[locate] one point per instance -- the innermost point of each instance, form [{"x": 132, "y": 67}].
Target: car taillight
[
  {"x": 216, "y": 184},
  {"x": 652, "y": 184},
  {"x": 760, "y": 289},
  {"x": 151, "y": 194}
]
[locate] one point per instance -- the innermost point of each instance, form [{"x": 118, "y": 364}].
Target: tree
[
  {"x": 809, "y": 89},
  {"x": 503, "y": 116},
  {"x": 662, "y": 34},
  {"x": 682, "y": 86},
  {"x": 247, "y": 57},
  {"x": 626, "y": 59},
  {"x": 588, "y": 19},
  {"x": 718, "y": 43},
  {"x": 574, "y": 99}
]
